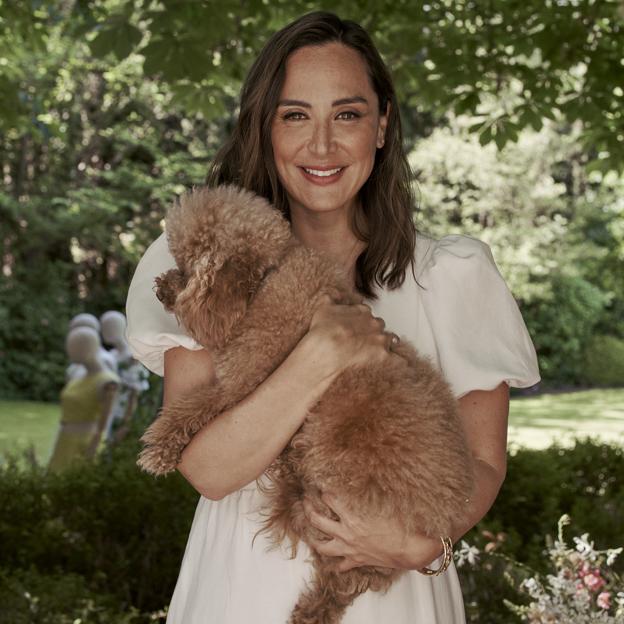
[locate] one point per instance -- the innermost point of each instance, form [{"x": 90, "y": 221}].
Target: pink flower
[
  {"x": 584, "y": 569},
  {"x": 604, "y": 600},
  {"x": 593, "y": 580}
]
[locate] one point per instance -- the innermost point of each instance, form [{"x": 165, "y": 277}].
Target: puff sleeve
[
  {"x": 151, "y": 329},
  {"x": 479, "y": 336}
]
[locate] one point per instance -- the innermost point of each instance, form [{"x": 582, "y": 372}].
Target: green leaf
[
  {"x": 157, "y": 55},
  {"x": 467, "y": 103},
  {"x": 118, "y": 38},
  {"x": 486, "y": 135}
]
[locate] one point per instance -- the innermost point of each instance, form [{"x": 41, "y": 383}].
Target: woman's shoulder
[
  {"x": 453, "y": 253},
  {"x": 156, "y": 260},
  {"x": 479, "y": 336},
  {"x": 151, "y": 330}
]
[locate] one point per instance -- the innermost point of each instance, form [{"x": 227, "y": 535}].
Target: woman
[{"x": 319, "y": 135}]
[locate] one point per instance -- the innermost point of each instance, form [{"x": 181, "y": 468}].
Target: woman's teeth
[{"x": 322, "y": 174}]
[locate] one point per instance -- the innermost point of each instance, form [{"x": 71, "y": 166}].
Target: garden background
[{"x": 110, "y": 109}]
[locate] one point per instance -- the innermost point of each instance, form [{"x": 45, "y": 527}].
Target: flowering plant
[{"x": 583, "y": 588}]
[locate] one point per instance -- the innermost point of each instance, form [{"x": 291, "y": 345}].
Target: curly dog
[{"x": 386, "y": 438}]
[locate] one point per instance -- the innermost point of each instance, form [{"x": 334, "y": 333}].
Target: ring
[{"x": 395, "y": 339}]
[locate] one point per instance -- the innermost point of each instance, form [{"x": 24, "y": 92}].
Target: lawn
[
  {"x": 538, "y": 421},
  {"x": 28, "y": 423},
  {"x": 534, "y": 422}
]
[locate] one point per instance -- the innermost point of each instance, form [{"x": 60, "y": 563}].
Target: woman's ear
[{"x": 383, "y": 124}]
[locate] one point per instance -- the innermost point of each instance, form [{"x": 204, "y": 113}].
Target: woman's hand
[
  {"x": 368, "y": 541},
  {"x": 347, "y": 335}
]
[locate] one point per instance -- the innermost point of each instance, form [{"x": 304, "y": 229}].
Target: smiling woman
[
  {"x": 324, "y": 143},
  {"x": 319, "y": 98},
  {"x": 319, "y": 135}
]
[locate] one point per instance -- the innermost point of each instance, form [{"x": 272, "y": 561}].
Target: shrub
[
  {"x": 28, "y": 597},
  {"x": 118, "y": 535},
  {"x": 124, "y": 532},
  {"x": 541, "y": 486},
  {"x": 35, "y": 309},
  {"x": 604, "y": 361},
  {"x": 562, "y": 326}
]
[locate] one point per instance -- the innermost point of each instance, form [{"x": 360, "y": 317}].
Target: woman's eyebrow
[
  {"x": 356, "y": 99},
  {"x": 294, "y": 103}
]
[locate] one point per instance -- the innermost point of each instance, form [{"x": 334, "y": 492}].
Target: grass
[
  {"x": 537, "y": 422},
  {"x": 28, "y": 423},
  {"x": 534, "y": 422}
]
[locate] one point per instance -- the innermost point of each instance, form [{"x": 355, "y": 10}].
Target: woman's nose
[{"x": 322, "y": 139}]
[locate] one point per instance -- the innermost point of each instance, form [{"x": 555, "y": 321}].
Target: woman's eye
[
  {"x": 348, "y": 115},
  {"x": 293, "y": 116}
]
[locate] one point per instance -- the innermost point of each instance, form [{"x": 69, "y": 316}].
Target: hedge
[{"x": 117, "y": 536}]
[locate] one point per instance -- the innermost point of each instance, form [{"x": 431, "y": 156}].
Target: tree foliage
[
  {"x": 110, "y": 108},
  {"x": 86, "y": 186},
  {"x": 555, "y": 230},
  {"x": 511, "y": 63}
]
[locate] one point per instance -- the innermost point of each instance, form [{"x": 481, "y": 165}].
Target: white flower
[
  {"x": 532, "y": 587},
  {"x": 612, "y": 554},
  {"x": 585, "y": 547},
  {"x": 466, "y": 554}
]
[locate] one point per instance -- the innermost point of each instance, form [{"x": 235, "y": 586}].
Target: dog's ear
[
  {"x": 214, "y": 300},
  {"x": 168, "y": 286}
]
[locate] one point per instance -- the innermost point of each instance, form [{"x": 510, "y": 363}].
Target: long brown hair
[{"x": 385, "y": 222}]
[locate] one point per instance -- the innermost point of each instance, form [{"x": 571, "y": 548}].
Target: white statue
[
  {"x": 133, "y": 375},
  {"x": 86, "y": 402},
  {"x": 76, "y": 371}
]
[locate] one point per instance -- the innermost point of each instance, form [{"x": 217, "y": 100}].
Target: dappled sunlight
[{"x": 538, "y": 422}]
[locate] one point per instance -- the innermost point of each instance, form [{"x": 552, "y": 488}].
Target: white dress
[{"x": 464, "y": 318}]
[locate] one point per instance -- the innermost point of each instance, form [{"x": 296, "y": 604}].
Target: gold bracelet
[{"x": 446, "y": 562}]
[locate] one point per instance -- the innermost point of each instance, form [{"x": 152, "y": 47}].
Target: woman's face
[{"x": 326, "y": 128}]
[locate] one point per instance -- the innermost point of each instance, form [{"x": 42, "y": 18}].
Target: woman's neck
[{"x": 331, "y": 233}]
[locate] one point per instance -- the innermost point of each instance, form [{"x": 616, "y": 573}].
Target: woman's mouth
[{"x": 322, "y": 176}]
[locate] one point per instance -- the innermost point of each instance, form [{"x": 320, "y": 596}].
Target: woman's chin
[{"x": 319, "y": 204}]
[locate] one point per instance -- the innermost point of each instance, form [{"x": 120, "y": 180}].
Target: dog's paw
[
  {"x": 163, "y": 447},
  {"x": 158, "y": 461},
  {"x": 168, "y": 286}
]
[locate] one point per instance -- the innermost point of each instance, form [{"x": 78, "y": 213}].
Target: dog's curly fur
[{"x": 386, "y": 438}]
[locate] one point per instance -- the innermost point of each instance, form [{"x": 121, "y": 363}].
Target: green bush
[
  {"x": 562, "y": 326},
  {"x": 123, "y": 531},
  {"x": 604, "y": 361},
  {"x": 118, "y": 535},
  {"x": 584, "y": 482},
  {"x": 35, "y": 309},
  {"x": 28, "y": 597}
]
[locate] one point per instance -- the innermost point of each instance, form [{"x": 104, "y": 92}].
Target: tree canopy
[
  {"x": 508, "y": 63},
  {"x": 111, "y": 108}
]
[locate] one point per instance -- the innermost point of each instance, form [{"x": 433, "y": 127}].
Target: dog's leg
[{"x": 168, "y": 435}]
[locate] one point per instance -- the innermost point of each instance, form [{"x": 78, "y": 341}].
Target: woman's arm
[
  {"x": 375, "y": 541},
  {"x": 484, "y": 416},
  {"x": 237, "y": 446}
]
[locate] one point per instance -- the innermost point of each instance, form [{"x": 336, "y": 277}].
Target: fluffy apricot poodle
[{"x": 385, "y": 438}]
